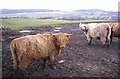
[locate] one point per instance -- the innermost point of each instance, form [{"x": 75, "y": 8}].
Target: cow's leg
[
  {"x": 44, "y": 63},
  {"x": 89, "y": 40},
  {"x": 103, "y": 40},
  {"x": 51, "y": 59},
  {"x": 23, "y": 63},
  {"x": 108, "y": 41},
  {"x": 15, "y": 63},
  {"x": 111, "y": 38}
]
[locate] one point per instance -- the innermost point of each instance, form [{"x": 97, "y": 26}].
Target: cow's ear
[
  {"x": 68, "y": 35},
  {"x": 80, "y": 24},
  {"x": 54, "y": 35}
]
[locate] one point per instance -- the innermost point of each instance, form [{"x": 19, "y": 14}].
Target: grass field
[{"x": 18, "y": 23}]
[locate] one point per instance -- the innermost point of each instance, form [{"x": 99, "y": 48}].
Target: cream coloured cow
[{"x": 101, "y": 31}]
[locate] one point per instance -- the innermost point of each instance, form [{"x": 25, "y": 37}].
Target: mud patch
[{"x": 78, "y": 59}]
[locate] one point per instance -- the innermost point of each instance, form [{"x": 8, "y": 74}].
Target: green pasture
[{"x": 17, "y": 23}]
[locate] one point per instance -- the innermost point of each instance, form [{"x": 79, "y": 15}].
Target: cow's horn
[
  {"x": 67, "y": 34},
  {"x": 54, "y": 34}
]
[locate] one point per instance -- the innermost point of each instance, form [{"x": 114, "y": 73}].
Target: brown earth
[{"x": 79, "y": 58}]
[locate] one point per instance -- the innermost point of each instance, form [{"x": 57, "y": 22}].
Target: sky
[{"x": 64, "y": 5}]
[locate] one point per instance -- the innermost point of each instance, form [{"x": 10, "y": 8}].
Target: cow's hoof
[
  {"x": 44, "y": 67},
  {"x": 106, "y": 46},
  {"x": 53, "y": 67},
  {"x": 89, "y": 43}
]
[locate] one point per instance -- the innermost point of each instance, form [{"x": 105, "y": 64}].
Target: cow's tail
[
  {"x": 14, "y": 55},
  {"x": 109, "y": 32}
]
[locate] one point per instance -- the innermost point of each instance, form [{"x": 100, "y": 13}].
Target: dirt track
[{"x": 80, "y": 59}]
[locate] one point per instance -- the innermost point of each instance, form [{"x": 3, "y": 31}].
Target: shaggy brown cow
[
  {"x": 40, "y": 46},
  {"x": 115, "y": 29}
]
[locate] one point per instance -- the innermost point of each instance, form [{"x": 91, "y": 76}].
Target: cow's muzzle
[{"x": 62, "y": 46}]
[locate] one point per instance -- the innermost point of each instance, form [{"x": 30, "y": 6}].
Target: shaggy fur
[
  {"x": 97, "y": 30},
  {"x": 40, "y": 46},
  {"x": 115, "y": 29}
]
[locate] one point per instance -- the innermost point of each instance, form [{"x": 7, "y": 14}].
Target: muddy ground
[{"x": 79, "y": 58}]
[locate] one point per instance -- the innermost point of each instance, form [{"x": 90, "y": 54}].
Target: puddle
[
  {"x": 58, "y": 28},
  {"x": 46, "y": 32},
  {"x": 26, "y": 31}
]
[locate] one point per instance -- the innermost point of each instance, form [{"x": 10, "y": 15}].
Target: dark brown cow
[{"x": 115, "y": 29}]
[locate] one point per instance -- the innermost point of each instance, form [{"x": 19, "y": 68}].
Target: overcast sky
[{"x": 65, "y": 5}]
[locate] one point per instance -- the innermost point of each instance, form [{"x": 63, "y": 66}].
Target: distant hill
[
  {"x": 83, "y": 14},
  {"x": 12, "y": 11},
  {"x": 92, "y": 10}
]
